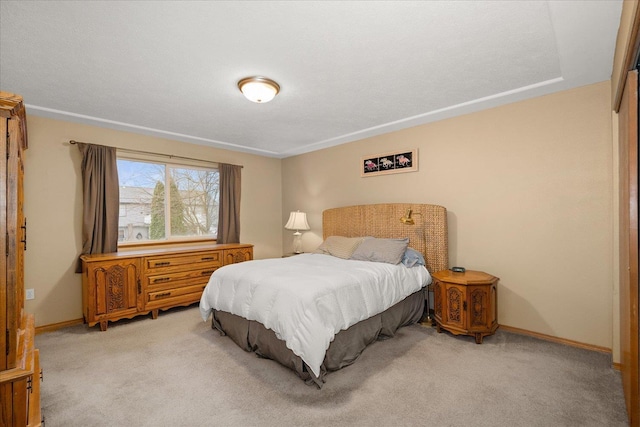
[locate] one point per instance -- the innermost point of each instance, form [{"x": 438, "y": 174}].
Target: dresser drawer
[
  {"x": 202, "y": 260},
  {"x": 180, "y": 278},
  {"x": 176, "y": 296}
]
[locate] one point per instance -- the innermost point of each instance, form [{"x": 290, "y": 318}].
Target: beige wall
[
  {"x": 53, "y": 203},
  {"x": 528, "y": 187}
]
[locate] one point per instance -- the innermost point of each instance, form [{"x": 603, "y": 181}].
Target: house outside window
[{"x": 165, "y": 202}]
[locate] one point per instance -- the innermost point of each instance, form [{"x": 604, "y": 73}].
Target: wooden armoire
[{"x": 19, "y": 360}]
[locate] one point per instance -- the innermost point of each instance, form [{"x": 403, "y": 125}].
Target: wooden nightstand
[{"x": 466, "y": 303}]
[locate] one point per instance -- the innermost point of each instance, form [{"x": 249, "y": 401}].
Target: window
[{"x": 163, "y": 201}]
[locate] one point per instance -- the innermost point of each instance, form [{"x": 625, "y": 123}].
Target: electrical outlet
[{"x": 31, "y": 293}]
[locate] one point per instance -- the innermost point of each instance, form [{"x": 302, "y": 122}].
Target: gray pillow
[
  {"x": 339, "y": 246},
  {"x": 381, "y": 250}
]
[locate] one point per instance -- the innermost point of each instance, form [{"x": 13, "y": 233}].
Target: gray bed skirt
[{"x": 343, "y": 350}]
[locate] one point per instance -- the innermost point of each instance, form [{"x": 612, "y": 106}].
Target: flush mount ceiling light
[{"x": 258, "y": 89}]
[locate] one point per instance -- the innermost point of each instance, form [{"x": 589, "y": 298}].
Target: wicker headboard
[{"x": 383, "y": 220}]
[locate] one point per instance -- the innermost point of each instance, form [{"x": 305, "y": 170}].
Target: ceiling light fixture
[{"x": 258, "y": 89}]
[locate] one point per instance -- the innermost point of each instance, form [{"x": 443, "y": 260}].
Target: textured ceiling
[{"x": 347, "y": 70}]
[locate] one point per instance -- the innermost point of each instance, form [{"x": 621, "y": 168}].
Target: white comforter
[{"x": 306, "y": 299}]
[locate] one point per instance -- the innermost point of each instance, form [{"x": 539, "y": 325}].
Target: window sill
[{"x": 125, "y": 246}]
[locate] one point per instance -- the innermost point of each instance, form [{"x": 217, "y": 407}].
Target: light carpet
[{"x": 177, "y": 371}]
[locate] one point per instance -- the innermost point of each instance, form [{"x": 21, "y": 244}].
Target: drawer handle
[
  {"x": 208, "y": 258},
  {"x": 161, "y": 279},
  {"x": 24, "y": 227},
  {"x": 162, "y": 264},
  {"x": 163, "y": 295},
  {"x": 206, "y": 273}
]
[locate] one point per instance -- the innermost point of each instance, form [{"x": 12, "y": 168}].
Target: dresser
[
  {"x": 466, "y": 303},
  {"x": 131, "y": 283},
  {"x": 19, "y": 359}
]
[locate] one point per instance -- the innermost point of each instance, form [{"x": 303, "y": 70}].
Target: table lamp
[{"x": 297, "y": 221}]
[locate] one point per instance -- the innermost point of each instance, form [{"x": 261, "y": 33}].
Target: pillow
[
  {"x": 412, "y": 257},
  {"x": 338, "y": 246},
  {"x": 381, "y": 250}
]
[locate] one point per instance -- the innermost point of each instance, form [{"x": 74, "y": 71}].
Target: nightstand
[
  {"x": 466, "y": 303},
  {"x": 291, "y": 254}
]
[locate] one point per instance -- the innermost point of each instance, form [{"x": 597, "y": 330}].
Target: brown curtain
[
  {"x": 229, "y": 207},
  {"x": 101, "y": 199}
]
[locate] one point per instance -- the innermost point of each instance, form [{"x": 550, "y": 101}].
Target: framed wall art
[{"x": 388, "y": 163}]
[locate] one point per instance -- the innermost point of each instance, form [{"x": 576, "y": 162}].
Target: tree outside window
[{"x": 151, "y": 210}]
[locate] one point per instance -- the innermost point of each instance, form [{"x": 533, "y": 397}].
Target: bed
[{"x": 342, "y": 319}]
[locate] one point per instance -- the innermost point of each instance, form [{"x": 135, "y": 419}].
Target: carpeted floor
[{"x": 177, "y": 371}]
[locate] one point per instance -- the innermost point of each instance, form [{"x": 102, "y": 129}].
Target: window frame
[{"x": 165, "y": 160}]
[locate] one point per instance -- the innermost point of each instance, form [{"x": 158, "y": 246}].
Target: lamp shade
[
  {"x": 258, "y": 89},
  {"x": 297, "y": 221}
]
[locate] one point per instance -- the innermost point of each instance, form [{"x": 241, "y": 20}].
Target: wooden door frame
[
  {"x": 628, "y": 246},
  {"x": 625, "y": 103}
]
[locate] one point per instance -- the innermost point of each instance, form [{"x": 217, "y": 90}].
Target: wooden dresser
[
  {"x": 19, "y": 360},
  {"x": 466, "y": 303},
  {"x": 131, "y": 283}
]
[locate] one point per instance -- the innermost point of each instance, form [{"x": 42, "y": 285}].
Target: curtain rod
[{"x": 171, "y": 156}]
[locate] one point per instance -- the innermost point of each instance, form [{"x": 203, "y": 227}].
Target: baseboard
[
  {"x": 556, "y": 339},
  {"x": 55, "y": 326}
]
